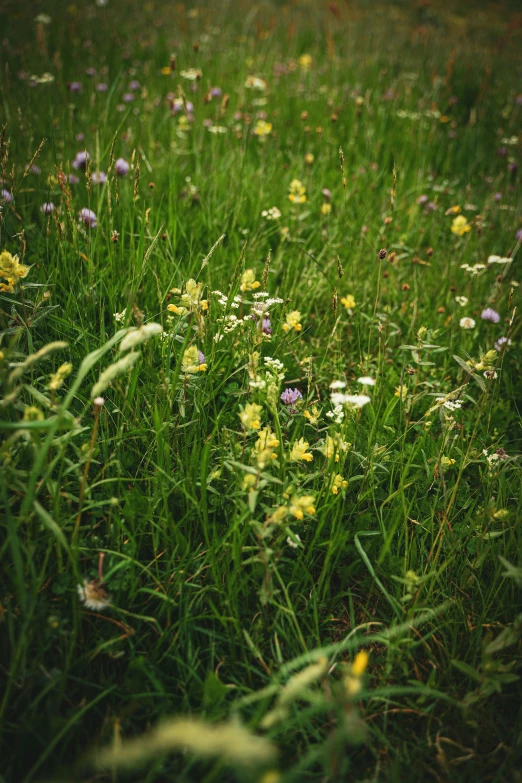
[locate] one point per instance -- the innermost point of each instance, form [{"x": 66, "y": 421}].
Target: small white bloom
[
  {"x": 366, "y": 381},
  {"x": 338, "y": 385},
  {"x": 467, "y": 323},
  {"x": 461, "y": 300}
]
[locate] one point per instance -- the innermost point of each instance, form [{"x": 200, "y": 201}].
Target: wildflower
[
  {"x": 360, "y": 663},
  {"x": 255, "y": 83},
  {"x": 262, "y": 128},
  {"x": 99, "y": 177},
  {"x": 338, "y": 483},
  {"x": 297, "y": 193},
  {"x": 453, "y": 210},
  {"x": 121, "y": 167},
  {"x": 498, "y": 260},
  {"x": 10, "y": 267},
  {"x": 353, "y": 680},
  {"x": 309, "y": 158},
  {"x": 101, "y": 87},
  {"x": 382, "y": 253},
  {"x": 467, "y": 323},
  {"x": 502, "y": 343},
  {"x": 338, "y": 385},
  {"x": 279, "y": 515},
  {"x": 32, "y": 413},
  {"x": 312, "y": 415},
  {"x": 349, "y": 302},
  {"x": 401, "y": 392},
  {"x": 249, "y": 482},
  {"x": 47, "y": 208},
  {"x": 490, "y": 315},
  {"x": 460, "y": 226},
  {"x": 518, "y": 235},
  {"x": 75, "y": 86},
  {"x": 88, "y": 217},
  {"x": 291, "y": 396},
  {"x": 193, "y": 361},
  {"x": 6, "y": 196},
  {"x": 266, "y": 326},
  {"x": 352, "y": 400},
  {"x": 251, "y": 416},
  {"x": 248, "y": 280},
  {"x": 60, "y": 375},
  {"x": 461, "y": 300},
  {"x": 333, "y": 446},
  {"x": 93, "y": 595},
  {"x": 271, "y": 214},
  {"x": 446, "y": 462},
  {"x": 292, "y": 321},
  {"x": 80, "y": 160},
  {"x": 326, "y": 208},
  {"x": 305, "y": 61},
  {"x": 366, "y": 381},
  {"x": 192, "y": 74},
  {"x": 300, "y": 451},
  {"x": 264, "y": 447},
  {"x": 177, "y": 310},
  {"x": 294, "y": 543},
  {"x": 299, "y": 506},
  {"x": 326, "y": 193}
]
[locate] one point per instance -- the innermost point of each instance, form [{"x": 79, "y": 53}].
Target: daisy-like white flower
[
  {"x": 93, "y": 595},
  {"x": 366, "y": 381}
]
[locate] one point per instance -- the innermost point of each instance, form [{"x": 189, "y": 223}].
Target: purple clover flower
[
  {"x": 267, "y": 326},
  {"x": 498, "y": 196},
  {"x": 6, "y": 196},
  {"x": 490, "y": 315},
  {"x": 201, "y": 357},
  {"x": 502, "y": 343},
  {"x": 101, "y": 87},
  {"x": 127, "y": 97},
  {"x": 88, "y": 217},
  {"x": 75, "y": 86},
  {"x": 290, "y": 396},
  {"x": 47, "y": 208},
  {"x": 80, "y": 160},
  {"x": 73, "y": 179},
  {"x": 216, "y": 92},
  {"x": 134, "y": 85},
  {"x": 121, "y": 167},
  {"x": 99, "y": 177}
]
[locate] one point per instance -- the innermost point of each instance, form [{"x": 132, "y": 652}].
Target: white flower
[
  {"x": 93, "y": 595},
  {"x": 452, "y": 405},
  {"x": 353, "y": 400},
  {"x": 461, "y": 300},
  {"x": 271, "y": 214},
  {"x": 338, "y": 385},
  {"x": 293, "y": 542},
  {"x": 119, "y": 317},
  {"x": 366, "y": 381},
  {"x": 467, "y": 323},
  {"x": 498, "y": 260}
]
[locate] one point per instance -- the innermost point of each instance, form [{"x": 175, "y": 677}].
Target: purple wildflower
[
  {"x": 80, "y": 160},
  {"x": 189, "y": 107},
  {"x": 326, "y": 194},
  {"x": 498, "y": 196},
  {"x": 99, "y": 177},
  {"x": 6, "y": 196},
  {"x": 88, "y": 217},
  {"x": 34, "y": 169},
  {"x": 518, "y": 235},
  {"x": 290, "y": 396},
  {"x": 75, "y": 86},
  {"x": 216, "y": 92},
  {"x": 134, "y": 85},
  {"x": 430, "y": 207},
  {"x": 267, "y": 326},
  {"x": 121, "y": 167},
  {"x": 502, "y": 343},
  {"x": 101, "y": 87},
  {"x": 73, "y": 179},
  {"x": 90, "y": 71},
  {"x": 127, "y": 97},
  {"x": 490, "y": 315},
  {"x": 201, "y": 357},
  {"x": 47, "y": 207},
  {"x": 513, "y": 167},
  {"x": 422, "y": 199}
]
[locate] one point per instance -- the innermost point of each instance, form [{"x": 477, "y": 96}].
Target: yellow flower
[
  {"x": 360, "y": 663},
  {"x": 11, "y": 268},
  {"x": 32, "y": 413},
  {"x": 309, "y": 158},
  {"x": 251, "y": 416},
  {"x": 460, "y": 226},
  {"x": 7, "y": 288},
  {"x": 348, "y": 301},
  {"x": 333, "y": 446},
  {"x": 249, "y": 482},
  {"x": 263, "y": 128},
  {"x": 453, "y": 210},
  {"x": 166, "y": 70},
  {"x": 299, "y": 506},
  {"x": 338, "y": 483},
  {"x": 264, "y": 447},
  {"x": 177, "y": 310},
  {"x": 401, "y": 391},
  {"x": 300, "y": 451},
  {"x": 312, "y": 415},
  {"x": 326, "y": 209},
  {"x": 279, "y": 514},
  {"x": 191, "y": 361},
  {"x": 292, "y": 321},
  {"x": 248, "y": 280},
  {"x": 444, "y": 118},
  {"x": 297, "y": 193},
  {"x": 446, "y": 462},
  {"x": 305, "y": 61},
  {"x": 60, "y": 375},
  {"x": 192, "y": 296}
]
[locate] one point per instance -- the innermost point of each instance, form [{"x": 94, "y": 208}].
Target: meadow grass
[{"x": 203, "y": 580}]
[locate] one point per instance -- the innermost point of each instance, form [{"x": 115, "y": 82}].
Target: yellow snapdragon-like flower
[
  {"x": 297, "y": 193},
  {"x": 251, "y": 416},
  {"x": 460, "y": 226},
  {"x": 264, "y": 447},
  {"x": 326, "y": 209},
  {"x": 338, "y": 483},
  {"x": 333, "y": 446},
  {"x": 172, "y": 308},
  {"x": 353, "y": 680},
  {"x": 32, "y": 413},
  {"x": 191, "y": 362},
  {"x": 300, "y": 451},
  {"x": 401, "y": 391},
  {"x": 293, "y": 321},
  {"x": 248, "y": 280},
  {"x": 299, "y": 506},
  {"x": 312, "y": 415},
  {"x": 262, "y": 128},
  {"x": 348, "y": 301},
  {"x": 11, "y": 269}
]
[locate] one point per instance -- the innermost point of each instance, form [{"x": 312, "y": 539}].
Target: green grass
[{"x": 224, "y": 605}]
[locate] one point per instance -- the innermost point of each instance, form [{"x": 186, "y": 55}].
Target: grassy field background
[{"x": 202, "y": 580}]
